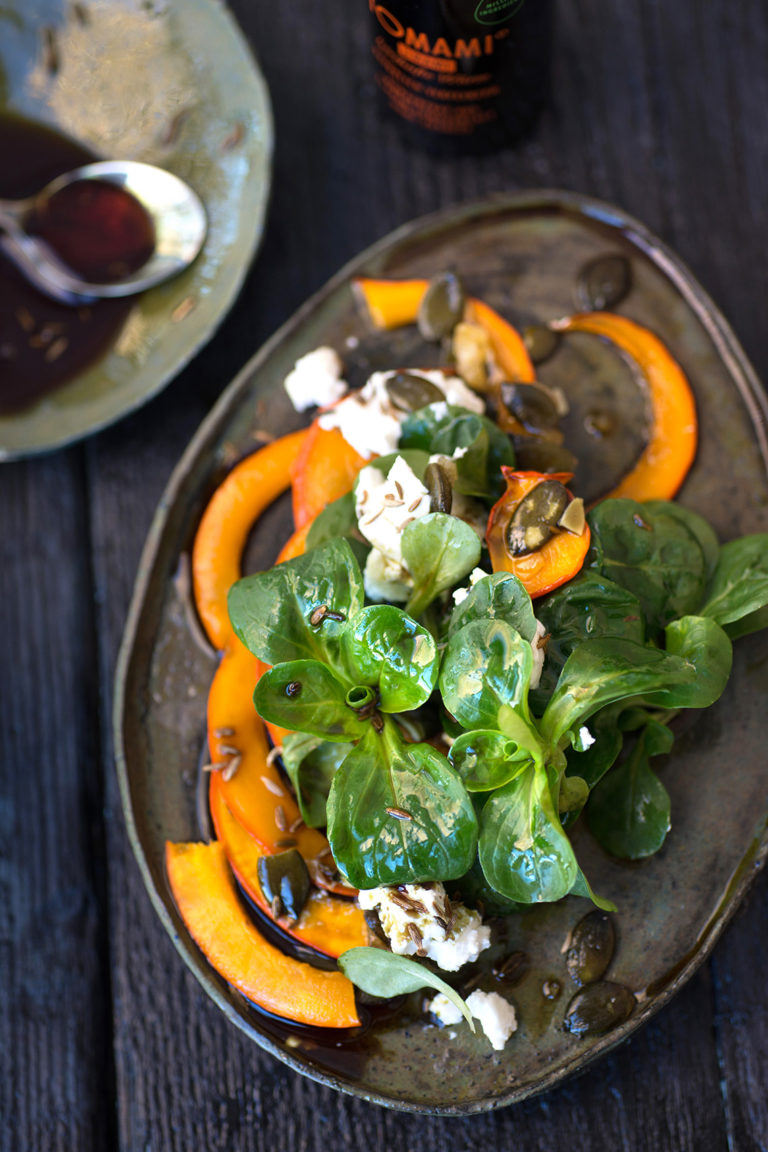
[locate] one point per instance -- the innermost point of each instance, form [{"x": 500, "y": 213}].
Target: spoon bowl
[{"x": 176, "y": 214}]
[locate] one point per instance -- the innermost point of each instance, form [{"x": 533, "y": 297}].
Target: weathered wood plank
[{"x": 55, "y": 1034}]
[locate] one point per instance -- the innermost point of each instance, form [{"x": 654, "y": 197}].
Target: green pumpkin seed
[
  {"x": 409, "y": 391},
  {"x": 531, "y": 405},
  {"x": 604, "y": 282},
  {"x": 535, "y": 517},
  {"x": 591, "y": 949},
  {"x": 598, "y": 1008},
  {"x": 534, "y": 454},
  {"x": 437, "y": 482},
  {"x": 540, "y": 341},
  {"x": 441, "y": 307},
  {"x": 284, "y": 878}
]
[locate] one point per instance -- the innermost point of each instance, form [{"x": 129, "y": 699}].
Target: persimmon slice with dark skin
[
  {"x": 556, "y": 561},
  {"x": 669, "y": 453},
  {"x": 204, "y": 891},
  {"x": 327, "y": 923}
]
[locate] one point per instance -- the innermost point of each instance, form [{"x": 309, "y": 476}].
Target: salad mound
[{"x": 449, "y": 658}]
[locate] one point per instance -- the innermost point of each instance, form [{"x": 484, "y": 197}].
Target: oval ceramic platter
[
  {"x": 522, "y": 255},
  {"x": 172, "y": 84}
]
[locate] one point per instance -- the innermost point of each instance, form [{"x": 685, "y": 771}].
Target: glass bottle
[{"x": 462, "y": 75}]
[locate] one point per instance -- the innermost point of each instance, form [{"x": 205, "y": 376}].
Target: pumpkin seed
[
  {"x": 284, "y": 877},
  {"x": 437, "y": 481},
  {"x": 373, "y": 924},
  {"x": 535, "y": 409},
  {"x": 408, "y": 391},
  {"x": 534, "y": 519},
  {"x": 604, "y": 282},
  {"x": 534, "y": 454},
  {"x": 442, "y": 306},
  {"x": 573, "y": 519},
  {"x": 471, "y": 349},
  {"x": 540, "y": 341},
  {"x": 591, "y": 948},
  {"x": 598, "y": 1008}
]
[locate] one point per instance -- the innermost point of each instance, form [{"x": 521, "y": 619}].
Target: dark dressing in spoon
[
  {"x": 97, "y": 228},
  {"x": 43, "y": 343}
]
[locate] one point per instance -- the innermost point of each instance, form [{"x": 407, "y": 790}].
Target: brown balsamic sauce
[
  {"x": 43, "y": 343},
  {"x": 97, "y": 228}
]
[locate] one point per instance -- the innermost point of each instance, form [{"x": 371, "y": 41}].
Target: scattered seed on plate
[
  {"x": 232, "y": 767},
  {"x": 399, "y": 813}
]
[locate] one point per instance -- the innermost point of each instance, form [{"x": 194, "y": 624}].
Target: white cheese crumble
[
  {"x": 384, "y": 507},
  {"x": 315, "y": 380},
  {"x": 585, "y": 739},
  {"x": 497, "y": 1016},
  {"x": 427, "y": 909},
  {"x": 460, "y": 594},
  {"x": 369, "y": 421},
  {"x": 539, "y": 652}
]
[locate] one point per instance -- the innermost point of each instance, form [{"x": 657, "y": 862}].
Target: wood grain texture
[{"x": 106, "y": 1040}]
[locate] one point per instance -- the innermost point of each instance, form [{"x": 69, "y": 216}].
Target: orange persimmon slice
[
  {"x": 507, "y": 345},
  {"x": 393, "y": 303},
  {"x": 669, "y": 453},
  {"x": 242, "y": 496},
  {"x": 327, "y": 923},
  {"x": 555, "y": 562},
  {"x": 256, "y": 790},
  {"x": 390, "y": 303},
  {"x": 206, "y": 897},
  {"x": 325, "y": 469}
]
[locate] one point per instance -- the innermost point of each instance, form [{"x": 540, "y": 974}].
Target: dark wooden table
[{"x": 106, "y": 1041}]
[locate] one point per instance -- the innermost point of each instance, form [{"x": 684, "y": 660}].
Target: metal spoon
[{"x": 177, "y": 213}]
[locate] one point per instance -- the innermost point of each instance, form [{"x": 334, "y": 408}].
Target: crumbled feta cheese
[
  {"x": 456, "y": 392},
  {"x": 315, "y": 380},
  {"x": 444, "y": 1009},
  {"x": 497, "y": 1016},
  {"x": 386, "y": 579},
  {"x": 369, "y": 421},
  {"x": 384, "y": 506},
  {"x": 427, "y": 908},
  {"x": 384, "y": 509},
  {"x": 585, "y": 739},
  {"x": 460, "y": 594},
  {"x": 539, "y": 652}
]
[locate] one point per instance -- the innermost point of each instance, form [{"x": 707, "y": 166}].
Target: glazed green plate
[
  {"x": 522, "y": 255},
  {"x": 171, "y": 84}
]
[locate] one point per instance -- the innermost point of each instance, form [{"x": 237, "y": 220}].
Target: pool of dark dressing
[{"x": 43, "y": 344}]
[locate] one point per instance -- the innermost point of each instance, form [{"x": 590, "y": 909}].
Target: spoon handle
[{"x": 26, "y": 254}]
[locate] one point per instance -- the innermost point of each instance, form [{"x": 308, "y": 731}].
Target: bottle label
[
  {"x": 495, "y": 11},
  {"x": 444, "y": 83}
]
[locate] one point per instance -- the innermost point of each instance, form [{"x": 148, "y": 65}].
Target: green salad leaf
[
  {"x": 498, "y": 596},
  {"x": 739, "y": 587},
  {"x": 439, "y": 550},
  {"x": 272, "y": 612},
  {"x": 442, "y": 428},
  {"x": 306, "y": 696},
  {"x": 311, "y": 764},
  {"x": 487, "y": 759},
  {"x": 653, "y": 554},
  {"x": 629, "y": 810},
  {"x": 399, "y": 813},
  {"x": 388, "y": 650},
  {"x": 382, "y": 973},
  {"x": 486, "y": 665},
  {"x": 524, "y": 851}
]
